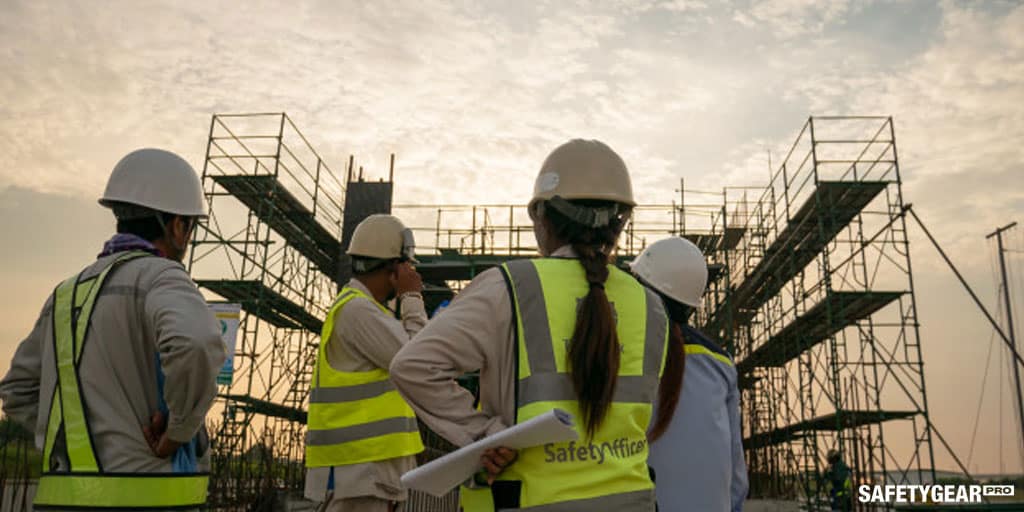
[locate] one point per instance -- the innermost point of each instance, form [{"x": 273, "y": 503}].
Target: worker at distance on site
[
  {"x": 120, "y": 369},
  {"x": 362, "y": 436},
  {"x": 568, "y": 330},
  {"x": 697, "y": 456}
]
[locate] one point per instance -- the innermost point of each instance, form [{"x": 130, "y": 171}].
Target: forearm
[
  {"x": 431, "y": 389},
  {"x": 414, "y": 313},
  {"x": 191, "y": 354},
  {"x": 190, "y": 369},
  {"x": 473, "y": 334},
  {"x": 19, "y": 389}
]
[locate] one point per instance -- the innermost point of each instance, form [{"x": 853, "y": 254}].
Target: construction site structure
[{"x": 810, "y": 287}]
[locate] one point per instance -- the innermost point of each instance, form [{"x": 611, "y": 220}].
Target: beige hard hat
[
  {"x": 384, "y": 237},
  {"x": 157, "y": 180},
  {"x": 676, "y": 268},
  {"x": 584, "y": 169}
]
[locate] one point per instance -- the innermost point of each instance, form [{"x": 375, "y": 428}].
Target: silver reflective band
[
  {"x": 657, "y": 331},
  {"x": 551, "y": 387},
  {"x": 363, "y": 431},
  {"x": 637, "y": 501},
  {"x": 323, "y": 395},
  {"x": 533, "y": 315}
]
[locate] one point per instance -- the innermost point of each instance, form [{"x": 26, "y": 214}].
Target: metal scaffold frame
[
  {"x": 271, "y": 244},
  {"x": 821, "y": 313},
  {"x": 811, "y": 288}
]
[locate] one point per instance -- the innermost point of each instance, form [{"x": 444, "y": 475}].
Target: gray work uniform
[
  {"x": 148, "y": 305},
  {"x": 698, "y": 462},
  {"x": 365, "y": 339}
]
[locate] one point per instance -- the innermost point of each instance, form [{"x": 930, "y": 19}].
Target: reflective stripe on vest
[
  {"x": 608, "y": 472},
  {"x": 85, "y": 484},
  {"x": 355, "y": 417},
  {"x": 694, "y": 349}
]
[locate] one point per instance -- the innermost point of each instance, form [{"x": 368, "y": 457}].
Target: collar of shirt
[
  {"x": 564, "y": 251},
  {"x": 358, "y": 285},
  {"x": 127, "y": 242}
]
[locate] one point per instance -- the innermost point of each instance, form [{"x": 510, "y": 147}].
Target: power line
[
  {"x": 981, "y": 399},
  {"x": 966, "y": 286}
]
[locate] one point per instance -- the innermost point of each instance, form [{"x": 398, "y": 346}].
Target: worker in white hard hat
[
  {"x": 120, "y": 369},
  {"x": 568, "y": 330},
  {"x": 361, "y": 435},
  {"x": 696, "y": 450}
]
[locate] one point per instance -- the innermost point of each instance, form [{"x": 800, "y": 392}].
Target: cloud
[{"x": 471, "y": 97}]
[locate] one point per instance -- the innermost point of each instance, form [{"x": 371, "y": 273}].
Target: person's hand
[
  {"x": 405, "y": 279},
  {"x": 495, "y": 460},
  {"x": 156, "y": 435}
]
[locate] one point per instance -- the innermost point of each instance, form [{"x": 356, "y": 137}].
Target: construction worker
[
  {"x": 568, "y": 330},
  {"x": 838, "y": 482},
  {"x": 120, "y": 369},
  {"x": 361, "y": 435},
  {"x": 697, "y": 449}
]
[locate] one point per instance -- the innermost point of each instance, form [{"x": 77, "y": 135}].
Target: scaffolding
[
  {"x": 810, "y": 287},
  {"x": 820, "y": 312},
  {"x": 271, "y": 244}
]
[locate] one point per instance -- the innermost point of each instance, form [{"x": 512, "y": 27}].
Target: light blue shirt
[{"x": 698, "y": 462}]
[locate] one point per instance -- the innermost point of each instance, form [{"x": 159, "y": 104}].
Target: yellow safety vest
[
  {"x": 85, "y": 484},
  {"x": 355, "y": 417},
  {"x": 608, "y": 472}
]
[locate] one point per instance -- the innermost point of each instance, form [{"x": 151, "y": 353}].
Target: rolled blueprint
[{"x": 441, "y": 475}]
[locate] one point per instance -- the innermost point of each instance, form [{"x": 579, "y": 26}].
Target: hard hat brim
[{"x": 108, "y": 202}]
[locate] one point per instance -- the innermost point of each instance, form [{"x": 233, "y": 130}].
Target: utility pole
[{"x": 998, "y": 233}]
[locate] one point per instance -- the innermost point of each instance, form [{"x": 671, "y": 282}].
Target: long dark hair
[
  {"x": 594, "y": 346},
  {"x": 671, "y": 385}
]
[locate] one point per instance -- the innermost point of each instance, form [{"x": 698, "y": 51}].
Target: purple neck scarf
[{"x": 127, "y": 242}]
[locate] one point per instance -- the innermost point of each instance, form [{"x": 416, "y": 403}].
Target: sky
[{"x": 475, "y": 94}]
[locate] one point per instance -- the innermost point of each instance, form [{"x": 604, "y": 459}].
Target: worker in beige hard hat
[
  {"x": 120, "y": 370},
  {"x": 696, "y": 441},
  {"x": 565, "y": 331},
  {"x": 361, "y": 435}
]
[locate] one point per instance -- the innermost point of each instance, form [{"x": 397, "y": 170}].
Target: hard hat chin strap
[{"x": 170, "y": 236}]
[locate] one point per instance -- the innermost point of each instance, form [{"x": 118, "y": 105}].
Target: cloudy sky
[{"x": 477, "y": 93}]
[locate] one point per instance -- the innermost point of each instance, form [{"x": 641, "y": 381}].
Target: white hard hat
[
  {"x": 676, "y": 268},
  {"x": 584, "y": 169},
  {"x": 158, "y": 180},
  {"x": 384, "y": 237}
]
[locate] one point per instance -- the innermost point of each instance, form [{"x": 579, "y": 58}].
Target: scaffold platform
[
  {"x": 829, "y": 209},
  {"x": 831, "y": 422},
  {"x": 260, "y": 300},
  {"x": 839, "y": 310},
  {"x": 286, "y": 215}
]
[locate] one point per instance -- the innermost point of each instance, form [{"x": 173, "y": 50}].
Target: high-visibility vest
[
  {"x": 608, "y": 472},
  {"x": 85, "y": 484},
  {"x": 355, "y": 417}
]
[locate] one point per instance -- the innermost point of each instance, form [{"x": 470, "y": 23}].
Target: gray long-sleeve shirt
[
  {"x": 365, "y": 339},
  {"x": 698, "y": 462},
  {"x": 149, "y": 305}
]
